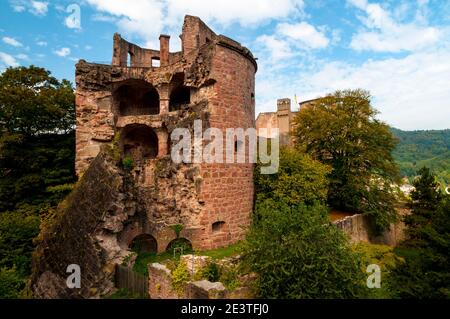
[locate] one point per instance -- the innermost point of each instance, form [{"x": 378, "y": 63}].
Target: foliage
[
  {"x": 299, "y": 179},
  {"x": 11, "y": 283},
  {"x": 17, "y": 231},
  {"x": 210, "y": 272},
  {"x": 341, "y": 130},
  {"x": 177, "y": 228},
  {"x": 297, "y": 253},
  {"x": 383, "y": 256},
  {"x": 425, "y": 272},
  {"x": 128, "y": 163},
  {"x": 180, "y": 276},
  {"x": 417, "y": 149},
  {"x": 37, "y": 152}
]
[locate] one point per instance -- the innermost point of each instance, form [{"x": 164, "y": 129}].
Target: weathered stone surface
[{"x": 357, "y": 228}]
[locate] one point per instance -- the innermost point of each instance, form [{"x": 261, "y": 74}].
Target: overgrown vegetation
[
  {"x": 341, "y": 130},
  {"x": 299, "y": 179},
  {"x": 37, "y": 152},
  {"x": 297, "y": 253},
  {"x": 425, "y": 272}
]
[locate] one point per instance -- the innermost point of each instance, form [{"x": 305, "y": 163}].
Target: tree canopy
[
  {"x": 37, "y": 153},
  {"x": 341, "y": 130},
  {"x": 425, "y": 272}
]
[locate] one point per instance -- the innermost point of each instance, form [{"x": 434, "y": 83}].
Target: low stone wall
[
  {"x": 357, "y": 227},
  {"x": 160, "y": 283}
]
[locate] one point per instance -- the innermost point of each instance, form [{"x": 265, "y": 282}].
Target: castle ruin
[{"x": 127, "y": 111}]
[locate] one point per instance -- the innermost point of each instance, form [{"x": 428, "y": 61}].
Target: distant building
[{"x": 283, "y": 119}]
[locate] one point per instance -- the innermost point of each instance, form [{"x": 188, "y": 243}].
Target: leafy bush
[
  {"x": 128, "y": 163},
  {"x": 211, "y": 272},
  {"x": 297, "y": 253},
  {"x": 17, "y": 231},
  {"x": 180, "y": 276},
  {"x": 299, "y": 180},
  {"x": 11, "y": 283}
]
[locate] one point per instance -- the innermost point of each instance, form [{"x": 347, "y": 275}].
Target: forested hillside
[{"x": 424, "y": 148}]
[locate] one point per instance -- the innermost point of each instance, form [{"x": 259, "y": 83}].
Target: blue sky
[{"x": 398, "y": 50}]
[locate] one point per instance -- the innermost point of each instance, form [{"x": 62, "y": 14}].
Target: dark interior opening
[
  {"x": 218, "y": 226},
  {"x": 179, "y": 245},
  {"x": 144, "y": 243},
  {"x": 137, "y": 97},
  {"x": 139, "y": 142},
  {"x": 180, "y": 96}
]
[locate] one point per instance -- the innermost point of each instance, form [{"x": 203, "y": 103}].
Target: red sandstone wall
[{"x": 227, "y": 189}]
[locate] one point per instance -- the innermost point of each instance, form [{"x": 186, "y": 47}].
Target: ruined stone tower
[
  {"x": 141, "y": 98},
  {"x": 130, "y": 191}
]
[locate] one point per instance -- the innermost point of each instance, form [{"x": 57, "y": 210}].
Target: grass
[
  {"x": 124, "y": 294},
  {"x": 221, "y": 253}
]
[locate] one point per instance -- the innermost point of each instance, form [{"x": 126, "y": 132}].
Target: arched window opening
[
  {"x": 139, "y": 142},
  {"x": 144, "y": 243},
  {"x": 218, "y": 226},
  {"x": 137, "y": 97},
  {"x": 180, "y": 96}
]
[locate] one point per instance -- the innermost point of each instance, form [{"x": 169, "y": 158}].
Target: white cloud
[
  {"x": 12, "y": 41},
  {"x": 7, "y": 60},
  {"x": 384, "y": 34},
  {"x": 226, "y": 12},
  {"x": 277, "y": 49},
  {"x": 39, "y": 8},
  {"x": 305, "y": 33},
  {"x": 63, "y": 52},
  {"x": 411, "y": 92},
  {"x": 148, "y": 18},
  {"x": 22, "y": 56},
  {"x": 42, "y": 43}
]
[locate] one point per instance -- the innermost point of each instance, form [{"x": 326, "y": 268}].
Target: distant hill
[{"x": 424, "y": 148}]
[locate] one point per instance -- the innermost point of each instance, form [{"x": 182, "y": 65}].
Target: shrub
[
  {"x": 297, "y": 253},
  {"x": 11, "y": 283},
  {"x": 128, "y": 163},
  {"x": 299, "y": 180},
  {"x": 180, "y": 276}
]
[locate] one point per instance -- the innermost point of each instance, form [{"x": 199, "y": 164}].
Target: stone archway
[
  {"x": 144, "y": 243},
  {"x": 136, "y": 97}
]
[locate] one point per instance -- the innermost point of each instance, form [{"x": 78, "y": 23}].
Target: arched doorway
[
  {"x": 136, "y": 97},
  {"x": 144, "y": 243},
  {"x": 179, "y": 245},
  {"x": 139, "y": 142}
]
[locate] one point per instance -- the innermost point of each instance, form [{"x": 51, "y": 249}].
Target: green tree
[
  {"x": 37, "y": 147},
  {"x": 37, "y": 150},
  {"x": 341, "y": 130},
  {"x": 297, "y": 253},
  {"x": 299, "y": 180},
  {"x": 425, "y": 272}
]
